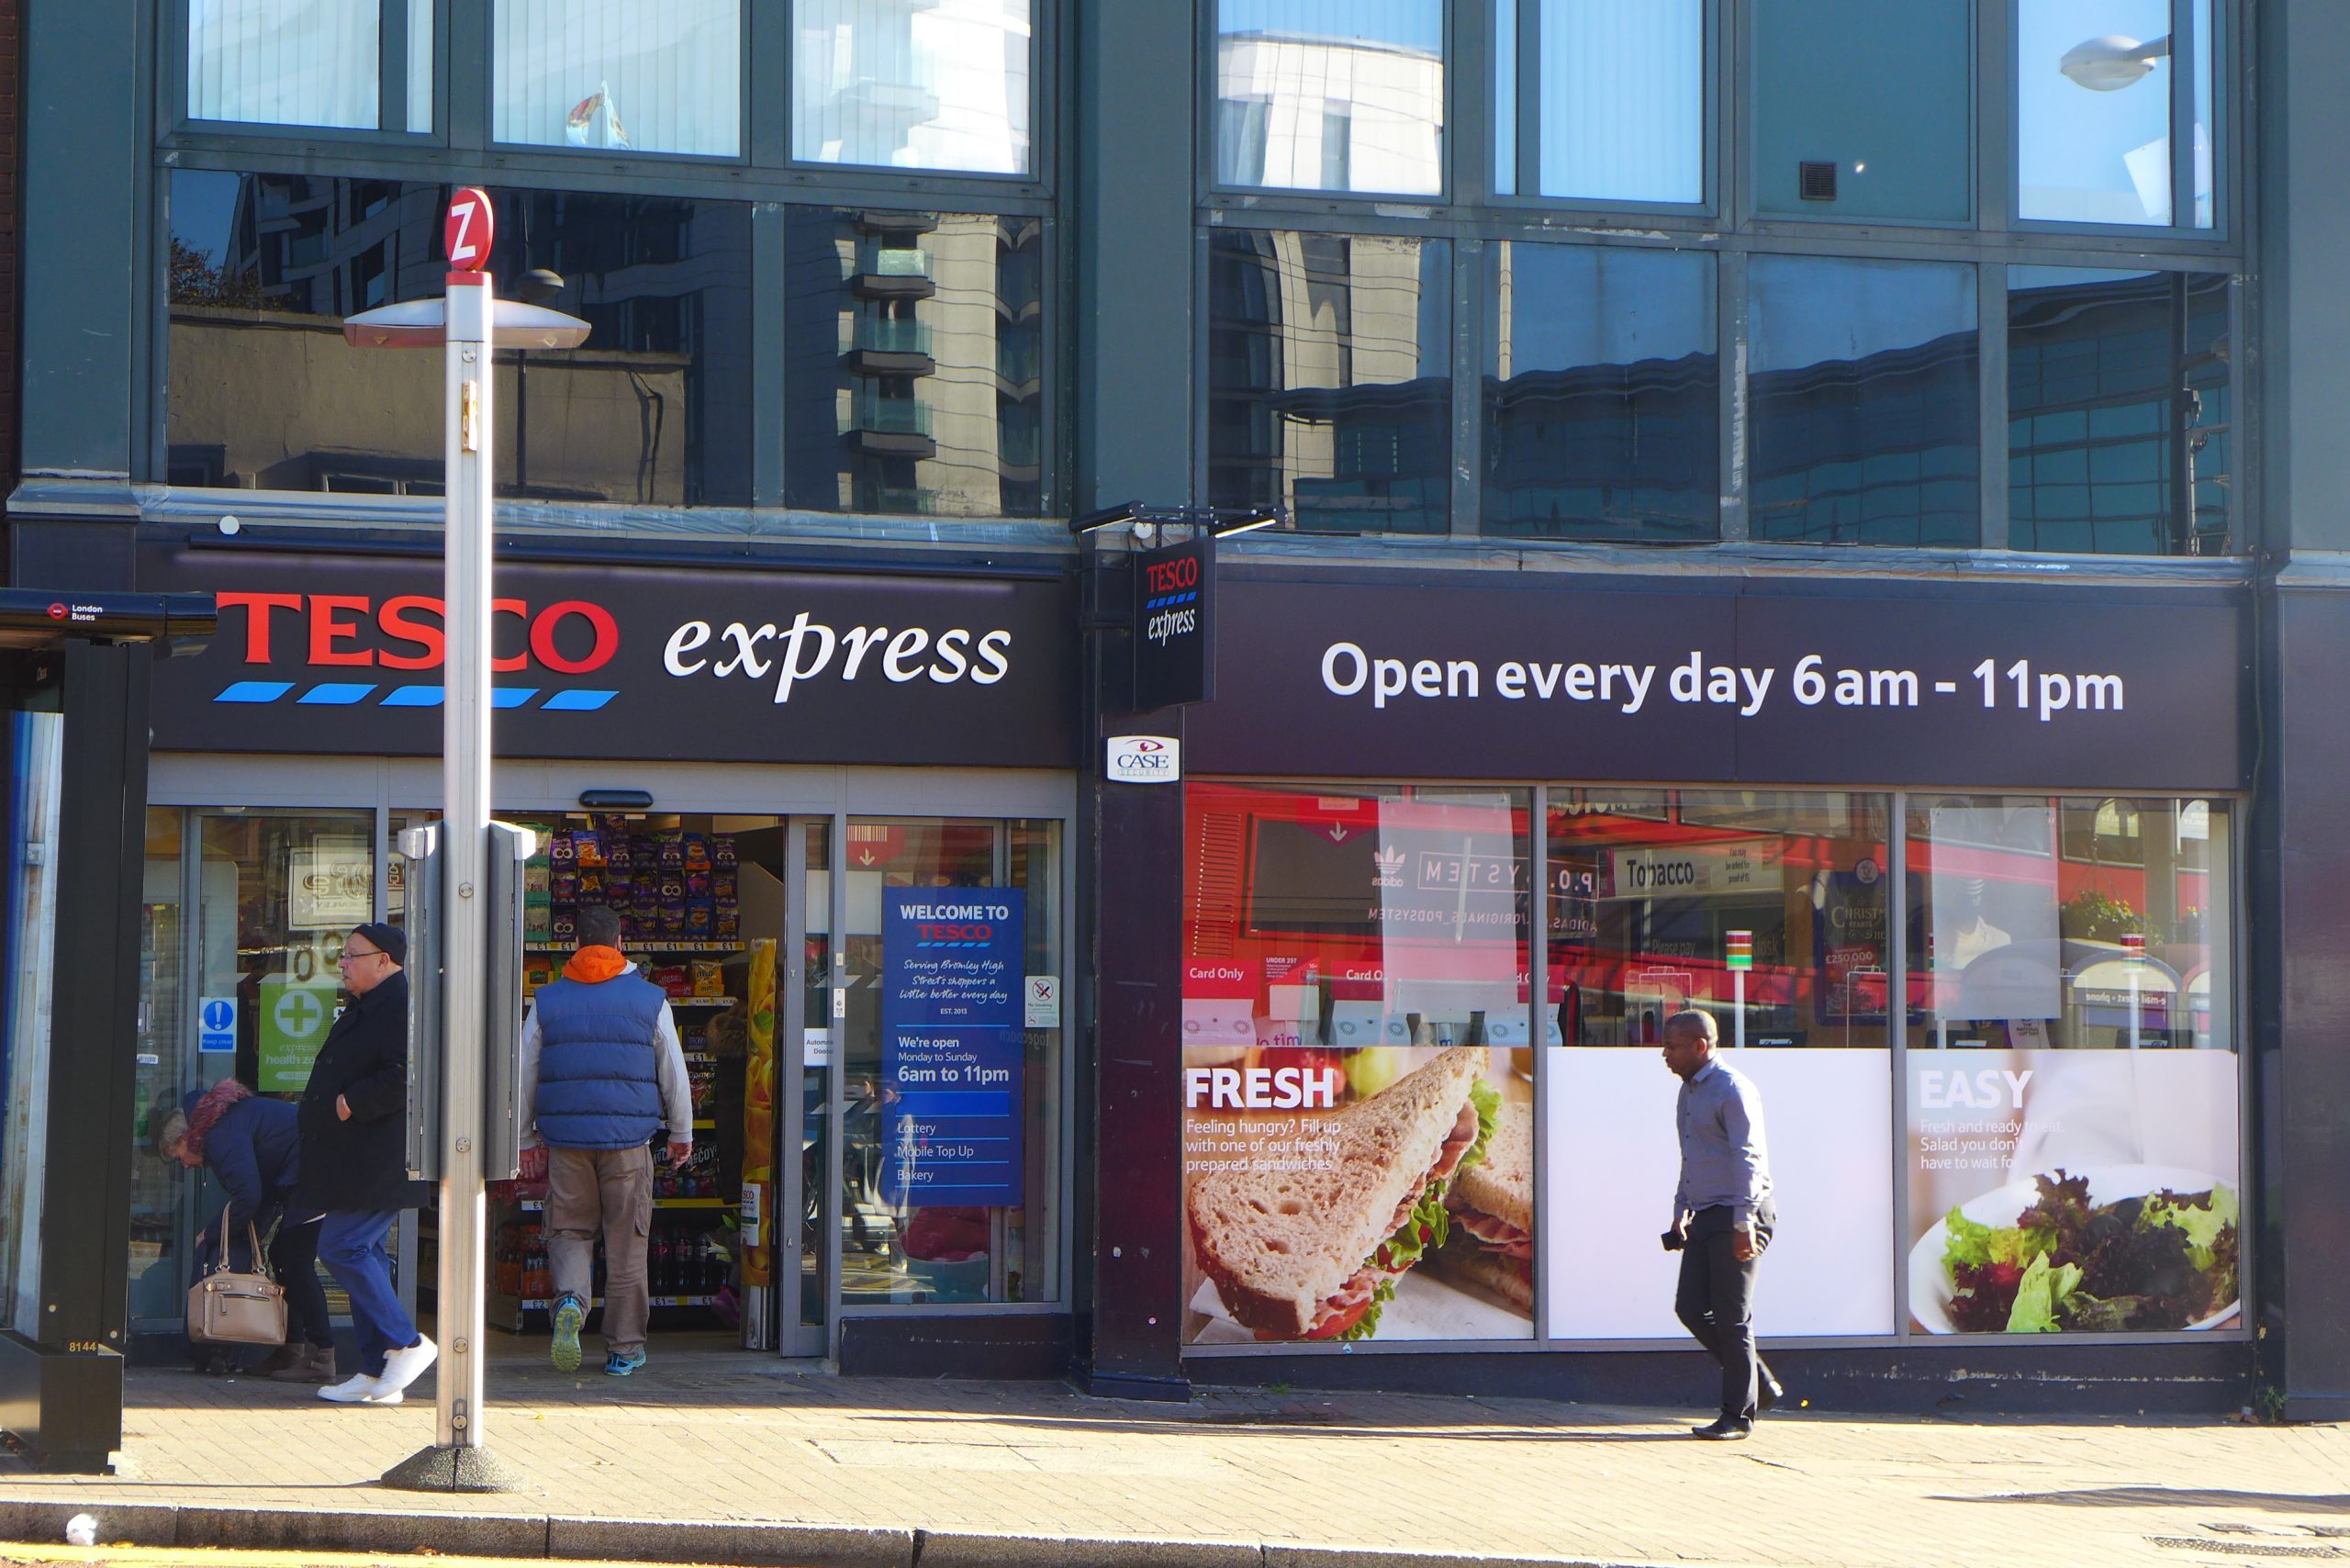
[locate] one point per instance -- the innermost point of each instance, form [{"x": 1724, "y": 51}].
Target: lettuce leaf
[
  {"x": 1427, "y": 1225},
  {"x": 2040, "y": 1294},
  {"x": 2202, "y": 1225},
  {"x": 1978, "y": 1245},
  {"x": 1368, "y": 1324}
]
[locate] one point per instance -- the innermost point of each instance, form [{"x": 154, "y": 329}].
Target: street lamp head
[
  {"x": 538, "y": 286},
  {"x": 2112, "y": 62},
  {"x": 424, "y": 324}
]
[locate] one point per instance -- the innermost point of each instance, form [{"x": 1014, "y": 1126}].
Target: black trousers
[
  {"x": 1716, "y": 1302},
  {"x": 293, "y": 1255}
]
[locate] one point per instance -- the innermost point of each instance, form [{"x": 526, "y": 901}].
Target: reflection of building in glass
[
  {"x": 1322, "y": 113},
  {"x": 1879, "y": 449},
  {"x": 1623, "y": 445},
  {"x": 2118, "y": 406},
  {"x": 916, "y": 349},
  {"x": 1327, "y": 367},
  {"x": 915, "y": 83},
  {"x": 264, "y": 393}
]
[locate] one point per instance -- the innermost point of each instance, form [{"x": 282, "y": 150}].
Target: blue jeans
[{"x": 351, "y": 1244}]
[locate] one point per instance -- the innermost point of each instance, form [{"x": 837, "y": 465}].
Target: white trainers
[
  {"x": 404, "y": 1367},
  {"x": 355, "y": 1390}
]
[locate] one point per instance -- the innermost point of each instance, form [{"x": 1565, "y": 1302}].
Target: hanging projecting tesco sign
[{"x": 344, "y": 653}]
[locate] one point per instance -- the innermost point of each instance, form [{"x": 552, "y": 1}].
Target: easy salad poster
[{"x": 2073, "y": 1191}]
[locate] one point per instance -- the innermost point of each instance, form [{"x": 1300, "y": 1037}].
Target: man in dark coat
[{"x": 354, "y": 1162}]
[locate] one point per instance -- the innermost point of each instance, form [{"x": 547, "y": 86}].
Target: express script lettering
[{"x": 808, "y": 648}]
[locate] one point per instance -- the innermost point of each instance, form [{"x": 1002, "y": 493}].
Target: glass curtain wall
[
  {"x": 1329, "y": 384},
  {"x": 2095, "y": 141},
  {"x": 1602, "y": 395},
  {"x": 945, "y": 85},
  {"x": 308, "y": 62},
  {"x": 1862, "y": 402},
  {"x": 1863, "y": 109},
  {"x": 619, "y": 75},
  {"x": 1330, "y": 94},
  {"x": 916, "y": 341},
  {"x": 2121, "y": 411},
  {"x": 1620, "y": 114}
]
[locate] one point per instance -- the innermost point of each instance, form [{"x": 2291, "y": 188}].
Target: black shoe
[
  {"x": 1767, "y": 1394},
  {"x": 1727, "y": 1430}
]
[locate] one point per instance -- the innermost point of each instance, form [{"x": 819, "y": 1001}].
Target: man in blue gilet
[{"x": 602, "y": 1072}]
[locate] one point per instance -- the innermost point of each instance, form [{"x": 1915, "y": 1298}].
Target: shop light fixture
[
  {"x": 616, "y": 800},
  {"x": 1146, "y": 521}
]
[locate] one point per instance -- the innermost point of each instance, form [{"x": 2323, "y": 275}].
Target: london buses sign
[{"x": 345, "y": 654}]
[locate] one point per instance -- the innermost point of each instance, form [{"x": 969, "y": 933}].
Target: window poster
[
  {"x": 1358, "y": 1106},
  {"x": 951, "y": 1051},
  {"x": 2073, "y": 1191}
]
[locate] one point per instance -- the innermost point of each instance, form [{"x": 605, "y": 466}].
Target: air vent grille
[{"x": 1817, "y": 180}]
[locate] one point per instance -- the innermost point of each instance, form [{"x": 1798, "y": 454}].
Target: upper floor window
[
  {"x": 1329, "y": 379},
  {"x": 2104, "y": 133},
  {"x": 1618, "y": 109},
  {"x": 313, "y": 62},
  {"x": 945, "y": 85},
  {"x": 1864, "y": 110},
  {"x": 264, "y": 394},
  {"x": 1863, "y": 405},
  {"x": 631, "y": 75},
  {"x": 1331, "y": 95}
]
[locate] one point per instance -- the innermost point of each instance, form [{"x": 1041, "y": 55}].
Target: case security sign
[{"x": 1145, "y": 759}]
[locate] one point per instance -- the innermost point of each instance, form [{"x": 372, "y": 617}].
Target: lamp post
[{"x": 470, "y": 321}]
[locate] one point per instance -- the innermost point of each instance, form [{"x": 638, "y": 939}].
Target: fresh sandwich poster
[
  {"x": 1383, "y": 1193},
  {"x": 2073, "y": 1191}
]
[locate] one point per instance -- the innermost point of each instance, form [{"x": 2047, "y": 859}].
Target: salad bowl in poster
[{"x": 2002, "y": 1253}]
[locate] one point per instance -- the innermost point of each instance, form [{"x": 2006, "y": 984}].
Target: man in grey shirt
[{"x": 1722, "y": 1217}]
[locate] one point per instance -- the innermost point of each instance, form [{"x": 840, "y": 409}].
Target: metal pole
[{"x": 464, "y": 777}]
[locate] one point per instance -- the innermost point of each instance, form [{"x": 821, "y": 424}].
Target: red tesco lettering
[{"x": 409, "y": 631}]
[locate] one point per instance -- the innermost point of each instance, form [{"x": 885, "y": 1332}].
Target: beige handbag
[{"x": 225, "y": 1307}]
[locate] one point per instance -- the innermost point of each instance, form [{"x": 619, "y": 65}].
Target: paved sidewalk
[{"x": 719, "y": 1457}]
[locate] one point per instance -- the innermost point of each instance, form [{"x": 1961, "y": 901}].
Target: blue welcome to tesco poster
[{"x": 952, "y": 967}]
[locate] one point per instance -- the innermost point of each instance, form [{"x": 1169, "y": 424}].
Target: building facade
[{"x": 1798, "y": 508}]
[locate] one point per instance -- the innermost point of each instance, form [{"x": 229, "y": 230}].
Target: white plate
[{"x": 1930, "y": 1286}]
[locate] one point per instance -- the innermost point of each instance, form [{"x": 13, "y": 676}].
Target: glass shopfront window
[
  {"x": 1648, "y": 890},
  {"x": 2044, "y": 1137},
  {"x": 1862, "y": 402},
  {"x": 1603, "y": 416},
  {"x": 917, "y": 375},
  {"x": 2121, "y": 411},
  {"x": 1329, "y": 379},
  {"x": 619, "y": 76},
  {"x": 36, "y": 752},
  {"x": 2073, "y": 1064},
  {"x": 1358, "y": 1073},
  {"x": 1331, "y": 95},
  {"x": 941, "y": 86},
  {"x": 264, "y": 394}
]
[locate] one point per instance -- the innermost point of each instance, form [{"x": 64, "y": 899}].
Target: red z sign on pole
[{"x": 468, "y": 230}]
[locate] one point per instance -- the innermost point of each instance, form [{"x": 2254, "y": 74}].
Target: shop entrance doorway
[{"x": 918, "y": 1169}]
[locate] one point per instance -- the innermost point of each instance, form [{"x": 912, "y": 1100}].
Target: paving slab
[{"x": 727, "y": 1458}]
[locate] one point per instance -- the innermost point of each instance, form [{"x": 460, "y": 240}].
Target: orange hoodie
[{"x": 593, "y": 965}]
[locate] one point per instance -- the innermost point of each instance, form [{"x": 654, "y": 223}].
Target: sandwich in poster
[{"x": 1311, "y": 1227}]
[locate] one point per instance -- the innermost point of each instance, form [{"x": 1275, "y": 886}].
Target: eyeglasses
[{"x": 351, "y": 952}]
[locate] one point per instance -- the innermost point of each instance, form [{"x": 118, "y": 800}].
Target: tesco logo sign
[
  {"x": 1144, "y": 760},
  {"x": 405, "y": 632}
]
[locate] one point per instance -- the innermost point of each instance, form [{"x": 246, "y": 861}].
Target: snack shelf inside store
[{"x": 679, "y": 890}]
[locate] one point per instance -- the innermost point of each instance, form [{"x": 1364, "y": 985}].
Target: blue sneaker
[
  {"x": 570, "y": 1317},
  {"x": 621, "y": 1363}
]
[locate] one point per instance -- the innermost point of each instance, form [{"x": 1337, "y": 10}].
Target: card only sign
[
  {"x": 1175, "y": 625},
  {"x": 952, "y": 987}
]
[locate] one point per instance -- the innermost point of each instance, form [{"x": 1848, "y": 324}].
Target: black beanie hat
[{"x": 388, "y": 939}]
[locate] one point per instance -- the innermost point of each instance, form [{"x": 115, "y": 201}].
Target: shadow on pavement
[{"x": 2171, "y": 1497}]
